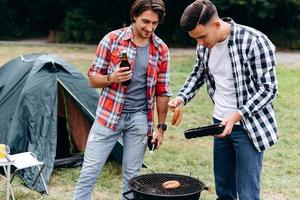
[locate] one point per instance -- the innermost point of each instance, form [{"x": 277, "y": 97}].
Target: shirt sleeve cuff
[
  {"x": 183, "y": 97},
  {"x": 244, "y": 112}
]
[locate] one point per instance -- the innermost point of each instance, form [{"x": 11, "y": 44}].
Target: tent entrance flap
[{"x": 72, "y": 126}]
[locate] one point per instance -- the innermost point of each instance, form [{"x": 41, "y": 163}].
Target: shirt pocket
[{"x": 116, "y": 56}]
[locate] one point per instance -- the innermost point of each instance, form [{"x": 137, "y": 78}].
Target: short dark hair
[
  {"x": 199, "y": 12},
  {"x": 139, "y": 6}
]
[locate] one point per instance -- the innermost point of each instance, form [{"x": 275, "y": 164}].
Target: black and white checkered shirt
[{"x": 252, "y": 57}]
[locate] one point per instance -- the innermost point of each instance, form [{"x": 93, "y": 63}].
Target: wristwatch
[{"x": 162, "y": 126}]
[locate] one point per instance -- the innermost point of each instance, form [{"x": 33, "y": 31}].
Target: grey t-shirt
[{"x": 136, "y": 99}]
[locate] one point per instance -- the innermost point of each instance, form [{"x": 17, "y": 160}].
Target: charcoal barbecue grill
[{"x": 149, "y": 187}]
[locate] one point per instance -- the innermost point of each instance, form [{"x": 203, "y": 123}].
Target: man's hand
[
  {"x": 176, "y": 102},
  {"x": 158, "y": 137},
  {"x": 176, "y": 105},
  {"x": 229, "y": 123},
  {"x": 120, "y": 75}
]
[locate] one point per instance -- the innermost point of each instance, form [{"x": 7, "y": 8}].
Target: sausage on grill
[{"x": 171, "y": 184}]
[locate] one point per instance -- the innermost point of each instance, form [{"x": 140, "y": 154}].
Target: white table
[{"x": 6, "y": 166}]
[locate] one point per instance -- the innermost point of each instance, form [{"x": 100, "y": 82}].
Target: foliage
[
  {"x": 89, "y": 21},
  {"x": 287, "y": 38},
  {"x": 33, "y": 18},
  {"x": 7, "y": 21},
  {"x": 280, "y": 19},
  {"x": 78, "y": 28}
]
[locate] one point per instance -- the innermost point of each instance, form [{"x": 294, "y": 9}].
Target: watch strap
[{"x": 162, "y": 126}]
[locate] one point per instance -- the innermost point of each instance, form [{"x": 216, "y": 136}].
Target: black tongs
[{"x": 214, "y": 129}]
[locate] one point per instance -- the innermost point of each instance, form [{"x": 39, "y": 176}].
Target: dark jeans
[{"x": 237, "y": 166}]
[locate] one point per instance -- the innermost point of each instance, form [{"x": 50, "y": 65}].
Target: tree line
[{"x": 88, "y": 21}]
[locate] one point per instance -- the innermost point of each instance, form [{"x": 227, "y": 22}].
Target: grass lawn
[{"x": 281, "y": 168}]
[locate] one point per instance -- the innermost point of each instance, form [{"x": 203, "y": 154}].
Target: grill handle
[
  {"x": 126, "y": 193},
  {"x": 207, "y": 188}
]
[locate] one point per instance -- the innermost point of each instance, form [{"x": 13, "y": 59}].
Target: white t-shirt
[{"x": 220, "y": 67}]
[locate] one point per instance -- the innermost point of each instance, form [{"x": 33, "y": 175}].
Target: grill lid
[{"x": 151, "y": 184}]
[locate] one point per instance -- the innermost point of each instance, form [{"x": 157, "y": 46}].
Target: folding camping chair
[{"x": 27, "y": 160}]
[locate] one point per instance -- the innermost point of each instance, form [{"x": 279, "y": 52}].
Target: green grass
[{"x": 281, "y": 168}]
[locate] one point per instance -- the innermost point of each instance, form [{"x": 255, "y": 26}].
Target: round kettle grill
[{"x": 149, "y": 187}]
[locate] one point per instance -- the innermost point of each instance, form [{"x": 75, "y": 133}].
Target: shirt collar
[
  {"x": 129, "y": 36},
  {"x": 233, "y": 24}
]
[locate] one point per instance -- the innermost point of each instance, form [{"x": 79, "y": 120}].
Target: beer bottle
[{"x": 125, "y": 63}]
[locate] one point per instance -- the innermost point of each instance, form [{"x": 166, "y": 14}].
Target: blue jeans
[
  {"x": 237, "y": 166},
  {"x": 133, "y": 127}
]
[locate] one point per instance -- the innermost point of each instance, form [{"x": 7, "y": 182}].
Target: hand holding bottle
[
  {"x": 120, "y": 75},
  {"x": 123, "y": 72}
]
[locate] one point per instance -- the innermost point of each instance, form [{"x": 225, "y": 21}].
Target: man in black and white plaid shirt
[{"x": 238, "y": 65}]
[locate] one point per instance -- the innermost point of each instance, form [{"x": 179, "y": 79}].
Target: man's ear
[
  {"x": 134, "y": 18},
  {"x": 217, "y": 23}
]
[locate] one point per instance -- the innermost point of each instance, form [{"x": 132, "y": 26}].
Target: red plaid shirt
[{"x": 108, "y": 56}]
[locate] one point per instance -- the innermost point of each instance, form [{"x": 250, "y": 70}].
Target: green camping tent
[{"x": 46, "y": 107}]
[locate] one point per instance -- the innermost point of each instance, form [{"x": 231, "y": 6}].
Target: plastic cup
[{"x": 2, "y": 151}]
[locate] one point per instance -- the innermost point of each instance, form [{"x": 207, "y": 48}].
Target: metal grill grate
[{"x": 151, "y": 184}]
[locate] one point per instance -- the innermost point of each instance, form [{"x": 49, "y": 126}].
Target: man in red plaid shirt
[{"x": 128, "y": 111}]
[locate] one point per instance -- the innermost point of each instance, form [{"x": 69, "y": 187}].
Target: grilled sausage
[
  {"x": 171, "y": 184},
  {"x": 175, "y": 115},
  {"x": 179, "y": 117}
]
